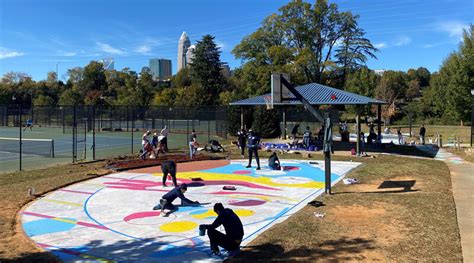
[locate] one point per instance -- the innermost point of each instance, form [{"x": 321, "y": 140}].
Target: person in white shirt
[
  {"x": 164, "y": 141},
  {"x": 145, "y": 139}
]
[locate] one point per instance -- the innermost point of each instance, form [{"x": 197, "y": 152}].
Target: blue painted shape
[
  {"x": 171, "y": 251},
  {"x": 305, "y": 171},
  {"x": 282, "y": 212},
  {"x": 66, "y": 257},
  {"x": 46, "y": 226},
  {"x": 188, "y": 208},
  {"x": 198, "y": 212}
]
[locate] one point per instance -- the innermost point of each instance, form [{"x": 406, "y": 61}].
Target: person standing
[
  {"x": 400, "y": 136},
  {"x": 242, "y": 139},
  {"x": 164, "y": 132},
  {"x": 422, "y": 134},
  {"x": 294, "y": 132},
  {"x": 192, "y": 144},
  {"x": 253, "y": 143},
  {"x": 29, "y": 124},
  {"x": 307, "y": 137},
  {"x": 234, "y": 231},
  {"x": 145, "y": 139},
  {"x": 169, "y": 167}
]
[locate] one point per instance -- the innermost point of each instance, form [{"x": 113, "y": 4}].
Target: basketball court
[{"x": 111, "y": 218}]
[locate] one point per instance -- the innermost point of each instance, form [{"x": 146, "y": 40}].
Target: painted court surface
[{"x": 111, "y": 217}]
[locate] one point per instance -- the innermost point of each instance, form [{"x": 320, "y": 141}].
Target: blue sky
[{"x": 37, "y": 34}]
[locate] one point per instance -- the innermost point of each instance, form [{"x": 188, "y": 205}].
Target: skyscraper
[
  {"x": 183, "y": 46},
  {"x": 161, "y": 68},
  {"x": 190, "y": 54}
]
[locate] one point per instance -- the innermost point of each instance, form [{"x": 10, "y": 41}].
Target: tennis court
[{"x": 37, "y": 146}]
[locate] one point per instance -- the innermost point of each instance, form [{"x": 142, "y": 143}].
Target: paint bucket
[{"x": 202, "y": 230}]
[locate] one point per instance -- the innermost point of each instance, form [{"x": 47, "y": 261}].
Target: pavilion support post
[
  {"x": 379, "y": 123},
  {"x": 242, "y": 117},
  {"x": 358, "y": 131},
  {"x": 284, "y": 123}
]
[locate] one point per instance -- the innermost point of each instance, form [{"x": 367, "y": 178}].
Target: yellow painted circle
[
  {"x": 244, "y": 212},
  {"x": 182, "y": 226}
]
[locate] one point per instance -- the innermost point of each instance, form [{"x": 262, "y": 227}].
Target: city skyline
[{"x": 409, "y": 34}]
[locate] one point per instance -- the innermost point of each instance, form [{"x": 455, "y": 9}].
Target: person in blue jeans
[
  {"x": 192, "y": 144},
  {"x": 29, "y": 124},
  {"x": 253, "y": 144},
  {"x": 307, "y": 137}
]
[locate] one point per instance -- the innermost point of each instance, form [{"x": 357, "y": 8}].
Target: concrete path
[{"x": 462, "y": 179}]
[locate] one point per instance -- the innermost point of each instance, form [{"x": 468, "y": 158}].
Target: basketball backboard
[{"x": 279, "y": 91}]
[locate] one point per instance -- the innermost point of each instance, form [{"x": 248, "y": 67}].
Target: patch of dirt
[
  {"x": 126, "y": 163},
  {"x": 371, "y": 223}
]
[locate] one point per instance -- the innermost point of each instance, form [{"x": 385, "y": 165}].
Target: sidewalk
[{"x": 462, "y": 179}]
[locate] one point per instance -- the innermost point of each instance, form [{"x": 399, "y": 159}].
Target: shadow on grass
[
  {"x": 428, "y": 151},
  {"x": 337, "y": 250},
  {"x": 406, "y": 185}
]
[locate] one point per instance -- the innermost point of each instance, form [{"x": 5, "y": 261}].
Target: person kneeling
[
  {"x": 234, "y": 231},
  {"x": 167, "y": 200},
  {"x": 274, "y": 162}
]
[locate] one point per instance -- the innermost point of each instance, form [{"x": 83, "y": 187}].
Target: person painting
[
  {"x": 242, "y": 139},
  {"x": 422, "y": 134},
  {"x": 234, "y": 231},
  {"x": 164, "y": 141},
  {"x": 169, "y": 167},
  {"x": 253, "y": 143},
  {"x": 167, "y": 200},
  {"x": 274, "y": 162}
]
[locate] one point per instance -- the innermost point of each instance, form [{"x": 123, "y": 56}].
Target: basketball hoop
[{"x": 268, "y": 102}]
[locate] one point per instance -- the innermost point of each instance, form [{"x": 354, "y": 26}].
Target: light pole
[{"x": 472, "y": 114}]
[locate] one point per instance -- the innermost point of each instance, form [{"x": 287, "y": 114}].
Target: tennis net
[{"x": 42, "y": 147}]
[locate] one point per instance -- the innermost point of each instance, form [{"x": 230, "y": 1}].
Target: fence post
[
  {"x": 186, "y": 140},
  {"x": 208, "y": 125},
  {"x": 20, "y": 142},
  {"x": 133, "y": 127},
  {"x": 93, "y": 131}
]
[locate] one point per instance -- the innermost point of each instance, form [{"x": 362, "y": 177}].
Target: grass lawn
[{"x": 362, "y": 222}]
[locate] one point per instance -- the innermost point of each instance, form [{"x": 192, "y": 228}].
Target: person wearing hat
[
  {"x": 169, "y": 167},
  {"x": 253, "y": 143},
  {"x": 234, "y": 231},
  {"x": 167, "y": 200}
]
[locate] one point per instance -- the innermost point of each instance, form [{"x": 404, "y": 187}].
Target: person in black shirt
[
  {"x": 307, "y": 137},
  {"x": 234, "y": 231},
  {"x": 422, "y": 134},
  {"x": 167, "y": 200},
  {"x": 242, "y": 140},
  {"x": 169, "y": 167},
  {"x": 294, "y": 133},
  {"x": 253, "y": 143},
  {"x": 274, "y": 162}
]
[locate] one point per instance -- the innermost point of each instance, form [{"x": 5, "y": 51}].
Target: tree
[
  {"x": 93, "y": 78},
  {"x": 307, "y": 36},
  {"x": 205, "y": 70},
  {"x": 181, "y": 79},
  {"x": 392, "y": 86}
]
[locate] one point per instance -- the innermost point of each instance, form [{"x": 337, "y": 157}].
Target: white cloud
[
  {"x": 143, "y": 49},
  {"x": 453, "y": 28},
  {"x": 109, "y": 49},
  {"x": 6, "y": 53},
  {"x": 66, "y": 53},
  {"x": 221, "y": 45},
  {"x": 402, "y": 41},
  {"x": 380, "y": 45}
]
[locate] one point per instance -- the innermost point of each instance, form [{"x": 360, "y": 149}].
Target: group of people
[
  {"x": 158, "y": 143},
  {"x": 234, "y": 230}
]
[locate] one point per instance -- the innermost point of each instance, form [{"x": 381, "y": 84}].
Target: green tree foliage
[
  {"x": 267, "y": 122},
  {"x": 452, "y": 85},
  {"x": 205, "y": 71},
  {"x": 309, "y": 39},
  {"x": 392, "y": 87}
]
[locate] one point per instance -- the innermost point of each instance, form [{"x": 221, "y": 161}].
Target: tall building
[
  {"x": 225, "y": 70},
  {"x": 108, "y": 63},
  {"x": 190, "y": 54},
  {"x": 183, "y": 46},
  {"x": 161, "y": 68}
]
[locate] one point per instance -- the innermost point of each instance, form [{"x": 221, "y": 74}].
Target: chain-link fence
[{"x": 33, "y": 136}]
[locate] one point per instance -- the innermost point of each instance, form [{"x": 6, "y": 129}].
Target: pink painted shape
[
  {"x": 141, "y": 215},
  {"x": 243, "y": 193},
  {"x": 74, "y": 191},
  {"x": 230, "y": 182},
  {"x": 290, "y": 168},
  {"x": 36, "y": 214},
  {"x": 242, "y": 172},
  {"x": 248, "y": 203}
]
